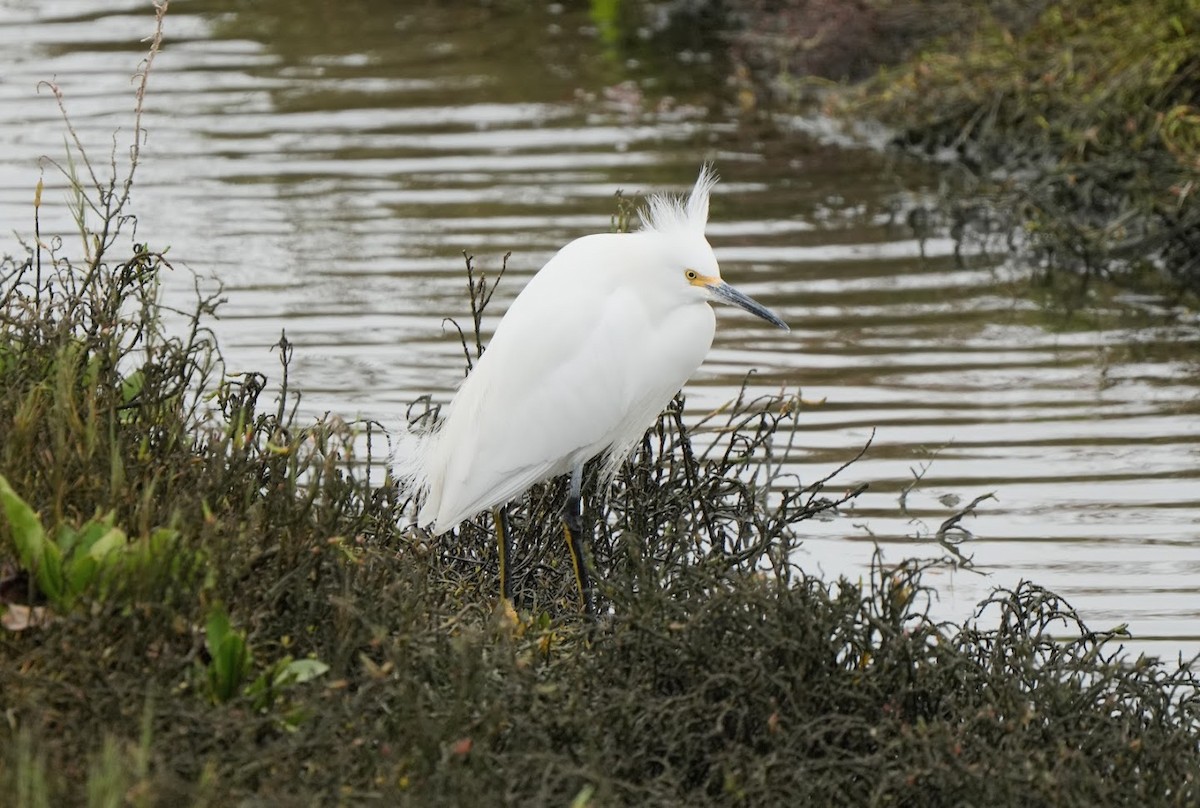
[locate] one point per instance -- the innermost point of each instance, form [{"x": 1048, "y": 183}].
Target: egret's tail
[{"x": 412, "y": 469}]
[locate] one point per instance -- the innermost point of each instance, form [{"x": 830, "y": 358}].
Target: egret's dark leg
[
  {"x": 504, "y": 546},
  {"x": 573, "y": 529}
]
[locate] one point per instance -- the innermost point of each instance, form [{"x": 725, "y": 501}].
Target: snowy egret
[{"x": 591, "y": 351}]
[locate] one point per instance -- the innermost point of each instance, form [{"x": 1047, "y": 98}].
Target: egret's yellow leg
[
  {"x": 573, "y": 530},
  {"x": 504, "y": 546}
]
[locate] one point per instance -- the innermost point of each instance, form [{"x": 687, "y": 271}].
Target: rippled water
[{"x": 330, "y": 162}]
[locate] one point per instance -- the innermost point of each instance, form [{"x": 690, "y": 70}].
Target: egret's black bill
[{"x": 727, "y": 294}]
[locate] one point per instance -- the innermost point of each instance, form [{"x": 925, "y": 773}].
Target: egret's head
[{"x": 691, "y": 257}]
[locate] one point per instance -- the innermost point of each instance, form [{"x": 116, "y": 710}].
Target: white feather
[{"x": 669, "y": 214}]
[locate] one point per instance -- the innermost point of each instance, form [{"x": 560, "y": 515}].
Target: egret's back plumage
[{"x": 587, "y": 356}]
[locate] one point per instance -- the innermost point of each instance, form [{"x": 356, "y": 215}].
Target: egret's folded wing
[{"x": 547, "y": 394}]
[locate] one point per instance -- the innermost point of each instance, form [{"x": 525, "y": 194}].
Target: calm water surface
[{"x": 330, "y": 162}]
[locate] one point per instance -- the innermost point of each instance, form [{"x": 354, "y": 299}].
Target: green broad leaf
[
  {"x": 49, "y": 575},
  {"x": 67, "y": 537},
  {"x": 150, "y": 549},
  {"x": 161, "y": 539},
  {"x": 231, "y": 660},
  {"x": 80, "y": 573},
  {"x": 230, "y": 656},
  {"x": 37, "y": 555},
  {"x": 131, "y": 386},
  {"x": 216, "y": 630},
  {"x": 299, "y": 671},
  {"x": 102, "y": 547},
  {"x": 24, "y": 525},
  {"x": 87, "y": 535}
]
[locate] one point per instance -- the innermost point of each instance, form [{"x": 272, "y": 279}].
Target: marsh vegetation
[{"x": 209, "y": 599}]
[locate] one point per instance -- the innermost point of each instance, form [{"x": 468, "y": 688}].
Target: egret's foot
[
  {"x": 573, "y": 530},
  {"x": 505, "y": 615}
]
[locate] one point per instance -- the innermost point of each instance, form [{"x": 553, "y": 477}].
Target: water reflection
[{"x": 330, "y": 163}]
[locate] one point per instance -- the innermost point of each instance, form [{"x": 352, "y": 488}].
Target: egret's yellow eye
[{"x": 691, "y": 274}]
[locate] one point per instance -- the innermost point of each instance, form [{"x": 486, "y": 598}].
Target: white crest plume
[{"x": 666, "y": 214}]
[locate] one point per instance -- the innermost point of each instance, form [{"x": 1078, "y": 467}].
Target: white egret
[{"x": 591, "y": 351}]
